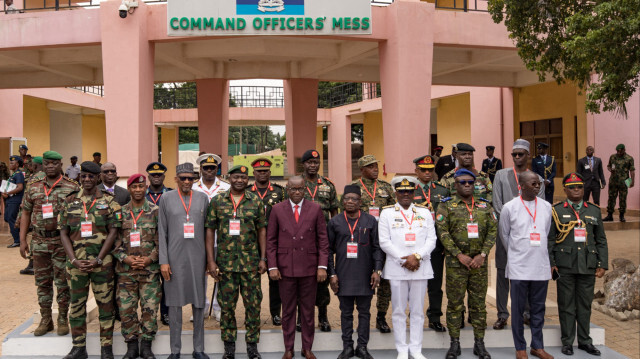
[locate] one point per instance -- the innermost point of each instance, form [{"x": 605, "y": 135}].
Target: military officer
[
  {"x": 13, "y": 198},
  {"x": 89, "y": 222},
  {"x": 468, "y": 231},
  {"x": 138, "y": 270},
  {"x": 578, "y": 252},
  {"x": 376, "y": 194},
  {"x": 22, "y": 150},
  {"x": 429, "y": 193},
  {"x": 321, "y": 190},
  {"x": 436, "y": 153},
  {"x": 545, "y": 166},
  {"x": 239, "y": 219},
  {"x": 37, "y": 175},
  {"x": 43, "y": 200},
  {"x": 97, "y": 157},
  {"x": 491, "y": 164},
  {"x": 483, "y": 187},
  {"x": 446, "y": 163},
  {"x": 623, "y": 175},
  {"x": 270, "y": 194}
]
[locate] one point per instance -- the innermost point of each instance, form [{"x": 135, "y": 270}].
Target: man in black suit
[
  {"x": 491, "y": 164},
  {"x": 545, "y": 166},
  {"x": 446, "y": 163},
  {"x": 109, "y": 176},
  {"x": 590, "y": 168}
]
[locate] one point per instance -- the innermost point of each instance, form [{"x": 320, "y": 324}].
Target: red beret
[{"x": 136, "y": 178}]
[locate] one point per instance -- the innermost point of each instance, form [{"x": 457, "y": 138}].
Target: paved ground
[{"x": 18, "y": 301}]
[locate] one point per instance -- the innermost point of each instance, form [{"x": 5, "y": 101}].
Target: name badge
[
  {"x": 234, "y": 227},
  {"x": 189, "y": 230},
  {"x": 409, "y": 239},
  {"x": 586, "y": 167},
  {"x": 472, "y": 230},
  {"x": 47, "y": 211},
  {"x": 86, "y": 229},
  {"x": 580, "y": 234},
  {"x": 534, "y": 239},
  {"x": 352, "y": 250},
  {"x": 375, "y": 211},
  {"x": 134, "y": 238}
]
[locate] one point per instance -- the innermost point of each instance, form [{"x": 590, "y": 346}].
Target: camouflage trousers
[
  {"x": 249, "y": 286},
  {"x": 615, "y": 189},
  {"x": 49, "y": 266},
  {"x": 134, "y": 288},
  {"x": 384, "y": 297},
  {"x": 461, "y": 281},
  {"x": 101, "y": 281}
]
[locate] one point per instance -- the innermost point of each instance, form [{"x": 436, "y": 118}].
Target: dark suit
[
  {"x": 546, "y": 170},
  {"x": 444, "y": 165},
  {"x": 297, "y": 250},
  {"x": 121, "y": 195},
  {"x": 593, "y": 177},
  {"x": 491, "y": 167}
]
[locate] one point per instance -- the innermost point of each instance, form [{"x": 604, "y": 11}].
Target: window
[{"x": 548, "y": 131}]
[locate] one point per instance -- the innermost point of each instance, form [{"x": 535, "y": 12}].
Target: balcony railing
[
  {"x": 256, "y": 96},
  {"x": 335, "y": 95},
  {"x": 93, "y": 90},
  {"x": 462, "y": 5}
]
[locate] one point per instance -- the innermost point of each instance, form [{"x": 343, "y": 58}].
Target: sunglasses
[
  {"x": 186, "y": 178},
  {"x": 426, "y": 169},
  {"x": 156, "y": 174},
  {"x": 518, "y": 154},
  {"x": 578, "y": 186},
  {"x": 404, "y": 191},
  {"x": 464, "y": 183},
  {"x": 109, "y": 171},
  {"x": 89, "y": 176},
  {"x": 209, "y": 168}
]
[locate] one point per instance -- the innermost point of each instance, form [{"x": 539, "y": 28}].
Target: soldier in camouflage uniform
[
  {"x": 89, "y": 223},
  {"x": 138, "y": 270},
  {"x": 482, "y": 188},
  {"x": 376, "y": 194},
  {"x": 270, "y": 194},
  {"x": 43, "y": 200},
  {"x": 38, "y": 175},
  {"x": 322, "y": 191},
  {"x": 239, "y": 219},
  {"x": 468, "y": 230},
  {"x": 621, "y": 168}
]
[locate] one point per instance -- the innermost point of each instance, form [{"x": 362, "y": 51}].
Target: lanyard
[
  {"x": 86, "y": 213},
  {"x": 473, "y": 203},
  {"x": 518, "y": 182},
  {"x": 255, "y": 188},
  {"x": 46, "y": 193},
  {"x": 184, "y": 205},
  {"x": 313, "y": 196},
  {"x": 155, "y": 200},
  {"x": 355, "y": 224},
  {"x": 235, "y": 205},
  {"x": 209, "y": 193},
  {"x": 535, "y": 211},
  {"x": 135, "y": 219},
  {"x": 427, "y": 196},
  {"x": 577, "y": 216},
  {"x": 373, "y": 196},
  {"x": 405, "y": 218}
]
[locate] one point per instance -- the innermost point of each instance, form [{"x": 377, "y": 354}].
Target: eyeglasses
[
  {"x": 518, "y": 154},
  {"x": 86, "y": 175},
  {"x": 296, "y": 189},
  {"x": 109, "y": 171},
  {"x": 465, "y": 183},
  {"x": 186, "y": 178},
  {"x": 576, "y": 186}
]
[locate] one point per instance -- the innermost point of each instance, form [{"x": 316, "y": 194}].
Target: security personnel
[
  {"x": 43, "y": 199},
  {"x": 491, "y": 164},
  {"x": 97, "y": 157},
  {"x": 578, "y": 252},
  {"x": 22, "y": 150},
  {"x": 89, "y": 222},
  {"x": 376, "y": 194},
  {"x": 483, "y": 187},
  {"x": 13, "y": 198},
  {"x": 622, "y": 170},
  {"x": 138, "y": 270},
  {"x": 270, "y": 194},
  {"x": 436, "y": 153},
  {"x": 468, "y": 231},
  {"x": 545, "y": 166},
  {"x": 38, "y": 174},
  {"x": 446, "y": 163},
  {"x": 321, "y": 190},
  {"x": 429, "y": 193},
  {"x": 239, "y": 219}
]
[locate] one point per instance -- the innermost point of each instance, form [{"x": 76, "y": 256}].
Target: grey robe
[{"x": 187, "y": 257}]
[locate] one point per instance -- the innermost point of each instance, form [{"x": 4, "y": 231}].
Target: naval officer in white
[{"x": 408, "y": 236}]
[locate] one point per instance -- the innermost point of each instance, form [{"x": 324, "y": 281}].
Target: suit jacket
[
  {"x": 491, "y": 167},
  {"x": 593, "y": 175},
  {"x": 545, "y": 169},
  {"x": 122, "y": 195},
  {"x": 444, "y": 165},
  {"x": 297, "y": 249}
]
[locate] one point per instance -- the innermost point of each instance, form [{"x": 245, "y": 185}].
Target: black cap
[
  {"x": 491, "y": 147},
  {"x": 23, "y": 147},
  {"x": 156, "y": 167},
  {"x": 74, "y": 157},
  {"x": 309, "y": 155},
  {"x": 352, "y": 188},
  {"x": 542, "y": 145},
  {"x": 97, "y": 154},
  {"x": 462, "y": 147},
  {"x": 17, "y": 159},
  {"x": 90, "y": 167}
]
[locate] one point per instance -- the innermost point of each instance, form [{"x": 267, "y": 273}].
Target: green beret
[
  {"x": 37, "y": 159},
  {"x": 51, "y": 155},
  {"x": 620, "y": 147},
  {"x": 238, "y": 169}
]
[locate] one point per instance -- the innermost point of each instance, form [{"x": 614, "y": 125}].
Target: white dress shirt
[{"x": 217, "y": 187}]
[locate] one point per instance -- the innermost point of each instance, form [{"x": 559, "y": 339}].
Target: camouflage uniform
[
  {"x": 451, "y": 221},
  {"x": 46, "y": 248},
  {"x": 141, "y": 285},
  {"x": 238, "y": 258},
  {"x": 620, "y": 167},
  {"x": 104, "y": 214},
  {"x": 482, "y": 188}
]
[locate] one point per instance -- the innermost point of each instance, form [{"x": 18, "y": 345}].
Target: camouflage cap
[{"x": 367, "y": 160}]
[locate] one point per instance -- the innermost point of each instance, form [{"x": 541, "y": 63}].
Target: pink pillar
[
  {"x": 406, "y": 62},
  {"x": 300, "y": 113},
  {"x": 507, "y": 127},
  {"x": 339, "y": 139},
  {"x": 213, "y": 117},
  {"x": 128, "y": 71}
]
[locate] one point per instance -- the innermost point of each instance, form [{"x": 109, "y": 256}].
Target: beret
[
  {"x": 620, "y": 147},
  {"x": 156, "y": 167},
  {"x": 51, "y": 155},
  {"x": 462, "y": 147},
  {"x": 238, "y": 169},
  {"x": 491, "y": 147},
  {"x": 90, "y": 167},
  {"x": 352, "y": 188},
  {"x": 136, "y": 178},
  {"x": 37, "y": 159},
  {"x": 309, "y": 155},
  {"x": 464, "y": 172}
]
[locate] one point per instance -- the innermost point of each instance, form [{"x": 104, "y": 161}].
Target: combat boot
[
  {"x": 132, "y": 350},
  {"x": 622, "y": 217},
  {"x": 77, "y": 353},
  {"x": 381, "y": 324},
  {"x": 63, "y": 322},
  {"x": 46, "y": 323},
  {"x": 454, "y": 350},
  {"x": 229, "y": 350},
  {"x": 480, "y": 350},
  {"x": 323, "y": 321},
  {"x": 145, "y": 350},
  {"x": 106, "y": 352},
  {"x": 252, "y": 351},
  {"x": 608, "y": 218}
]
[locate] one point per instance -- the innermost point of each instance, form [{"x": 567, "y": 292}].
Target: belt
[{"x": 48, "y": 234}]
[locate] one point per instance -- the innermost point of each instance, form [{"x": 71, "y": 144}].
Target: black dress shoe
[
  {"x": 437, "y": 326},
  {"x": 324, "y": 325},
  {"x": 174, "y": 356},
  {"x": 298, "y": 327},
  {"x": 567, "y": 350},
  {"x": 200, "y": 355},
  {"x": 526, "y": 320},
  {"x": 346, "y": 353},
  {"x": 381, "y": 324},
  {"x": 608, "y": 218},
  {"x": 363, "y": 353},
  {"x": 164, "y": 318},
  {"x": 13, "y": 245},
  {"x": 589, "y": 348},
  {"x": 500, "y": 324},
  {"x": 276, "y": 320}
]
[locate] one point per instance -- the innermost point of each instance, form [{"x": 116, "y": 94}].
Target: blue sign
[{"x": 270, "y": 7}]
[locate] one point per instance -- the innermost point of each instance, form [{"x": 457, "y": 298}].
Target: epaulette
[
  {"x": 330, "y": 181},
  {"x": 557, "y": 203},
  {"x": 71, "y": 180},
  {"x": 389, "y": 206},
  {"x": 223, "y": 180},
  {"x": 483, "y": 174},
  {"x": 438, "y": 184},
  {"x": 33, "y": 180},
  {"x": 484, "y": 200},
  {"x": 420, "y": 206},
  {"x": 104, "y": 190},
  {"x": 277, "y": 185},
  {"x": 593, "y": 204},
  {"x": 445, "y": 199}
]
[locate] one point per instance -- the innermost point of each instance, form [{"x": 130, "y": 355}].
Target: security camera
[{"x": 127, "y": 7}]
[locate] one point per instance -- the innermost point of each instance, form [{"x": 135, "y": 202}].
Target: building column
[
  {"x": 213, "y": 117},
  {"x": 508, "y": 134},
  {"x": 170, "y": 153},
  {"x": 300, "y": 113},
  {"x": 406, "y": 62},
  {"x": 128, "y": 71},
  {"x": 339, "y": 140}
]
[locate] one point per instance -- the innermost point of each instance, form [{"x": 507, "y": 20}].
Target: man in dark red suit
[{"x": 297, "y": 256}]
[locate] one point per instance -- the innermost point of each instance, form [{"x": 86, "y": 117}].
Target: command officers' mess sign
[{"x": 268, "y": 17}]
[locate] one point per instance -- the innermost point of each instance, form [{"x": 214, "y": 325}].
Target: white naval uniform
[{"x": 407, "y": 286}]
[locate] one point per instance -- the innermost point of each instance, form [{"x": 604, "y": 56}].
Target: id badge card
[
  {"x": 234, "y": 227},
  {"x": 472, "y": 230},
  {"x": 580, "y": 234},
  {"x": 47, "y": 211},
  {"x": 352, "y": 250},
  {"x": 375, "y": 211},
  {"x": 409, "y": 239},
  {"x": 189, "y": 230},
  {"x": 534, "y": 239},
  {"x": 134, "y": 239},
  {"x": 587, "y": 167},
  {"x": 86, "y": 229}
]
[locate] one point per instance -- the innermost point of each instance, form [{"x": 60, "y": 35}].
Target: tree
[{"x": 573, "y": 40}]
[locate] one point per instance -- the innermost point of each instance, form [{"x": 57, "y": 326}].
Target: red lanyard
[
  {"x": 46, "y": 193},
  {"x": 373, "y": 196},
  {"x": 577, "y": 216},
  {"x": 184, "y": 205},
  {"x": 428, "y": 196},
  {"x": 517, "y": 182},
  {"x": 209, "y": 193},
  {"x": 255, "y": 188},
  {"x": 313, "y": 196},
  {"x": 405, "y": 218},
  {"x": 535, "y": 211},
  {"x": 235, "y": 205},
  {"x": 354, "y": 225},
  {"x": 155, "y": 200},
  {"x": 135, "y": 219},
  {"x": 473, "y": 203},
  {"x": 86, "y": 213}
]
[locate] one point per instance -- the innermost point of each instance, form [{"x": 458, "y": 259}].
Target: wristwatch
[
  {"x": 264, "y": 259},
  {"x": 99, "y": 261},
  {"x": 418, "y": 256},
  {"x": 379, "y": 272},
  {"x": 483, "y": 255}
]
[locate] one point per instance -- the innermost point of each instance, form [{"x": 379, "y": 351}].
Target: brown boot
[
  {"x": 46, "y": 323},
  {"x": 63, "y": 323}
]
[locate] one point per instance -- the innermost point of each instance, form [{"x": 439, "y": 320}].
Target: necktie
[
  {"x": 295, "y": 212},
  {"x": 591, "y": 163},
  {"x": 110, "y": 190}
]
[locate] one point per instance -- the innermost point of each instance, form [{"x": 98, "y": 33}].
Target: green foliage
[{"x": 592, "y": 43}]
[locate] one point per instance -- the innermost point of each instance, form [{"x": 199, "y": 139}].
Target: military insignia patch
[
  {"x": 119, "y": 216},
  {"x": 274, "y": 195},
  {"x": 440, "y": 217}
]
